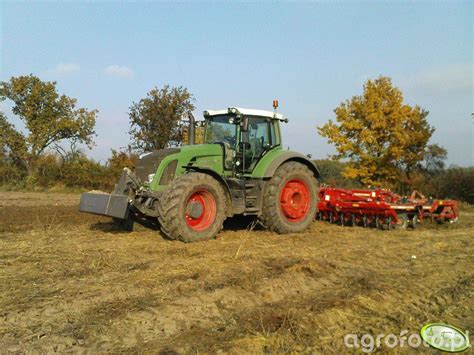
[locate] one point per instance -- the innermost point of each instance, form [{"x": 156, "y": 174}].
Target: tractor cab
[{"x": 245, "y": 135}]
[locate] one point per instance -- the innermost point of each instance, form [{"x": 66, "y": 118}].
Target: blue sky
[{"x": 310, "y": 56}]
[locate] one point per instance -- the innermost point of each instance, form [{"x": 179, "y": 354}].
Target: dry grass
[{"x": 70, "y": 282}]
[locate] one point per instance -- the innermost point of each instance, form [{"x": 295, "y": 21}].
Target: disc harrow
[{"x": 382, "y": 209}]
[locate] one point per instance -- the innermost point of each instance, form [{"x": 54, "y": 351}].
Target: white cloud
[
  {"x": 447, "y": 78},
  {"x": 119, "y": 71},
  {"x": 65, "y": 68}
]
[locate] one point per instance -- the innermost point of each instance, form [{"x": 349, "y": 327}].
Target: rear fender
[{"x": 269, "y": 164}]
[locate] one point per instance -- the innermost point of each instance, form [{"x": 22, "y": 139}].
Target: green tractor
[{"x": 240, "y": 169}]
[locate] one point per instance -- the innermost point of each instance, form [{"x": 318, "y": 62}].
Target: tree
[
  {"x": 49, "y": 118},
  {"x": 12, "y": 152},
  {"x": 433, "y": 162},
  {"x": 119, "y": 160},
  {"x": 12, "y": 143},
  {"x": 155, "y": 119},
  {"x": 382, "y": 137}
]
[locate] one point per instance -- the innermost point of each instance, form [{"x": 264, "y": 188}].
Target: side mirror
[{"x": 244, "y": 124}]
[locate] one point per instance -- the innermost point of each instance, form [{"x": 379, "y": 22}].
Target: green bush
[
  {"x": 47, "y": 171},
  {"x": 456, "y": 183},
  {"x": 84, "y": 172},
  {"x": 77, "y": 171},
  {"x": 331, "y": 174},
  {"x": 11, "y": 174},
  {"x": 120, "y": 160}
]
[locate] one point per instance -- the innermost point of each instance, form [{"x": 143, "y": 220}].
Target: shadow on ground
[{"x": 237, "y": 223}]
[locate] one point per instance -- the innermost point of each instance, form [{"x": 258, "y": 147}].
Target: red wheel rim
[
  {"x": 205, "y": 204},
  {"x": 295, "y": 200}
]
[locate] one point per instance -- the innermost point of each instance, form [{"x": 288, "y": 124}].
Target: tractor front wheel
[
  {"x": 290, "y": 199},
  {"x": 193, "y": 208}
]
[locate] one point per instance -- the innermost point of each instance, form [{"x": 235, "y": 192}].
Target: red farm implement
[{"x": 382, "y": 208}]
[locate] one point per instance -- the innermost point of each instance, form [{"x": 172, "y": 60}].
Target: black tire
[
  {"x": 273, "y": 216},
  {"x": 174, "y": 219},
  {"x": 160, "y": 204},
  {"x": 403, "y": 221}
]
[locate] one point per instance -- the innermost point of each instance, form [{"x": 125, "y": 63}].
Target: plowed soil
[{"x": 71, "y": 282}]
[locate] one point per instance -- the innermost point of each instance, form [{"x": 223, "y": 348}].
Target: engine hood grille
[{"x": 149, "y": 163}]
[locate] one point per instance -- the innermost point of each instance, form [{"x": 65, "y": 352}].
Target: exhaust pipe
[{"x": 192, "y": 129}]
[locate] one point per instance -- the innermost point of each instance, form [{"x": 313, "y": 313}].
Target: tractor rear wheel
[
  {"x": 193, "y": 209},
  {"x": 290, "y": 199}
]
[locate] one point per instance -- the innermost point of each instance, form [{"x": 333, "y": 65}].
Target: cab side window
[{"x": 260, "y": 137}]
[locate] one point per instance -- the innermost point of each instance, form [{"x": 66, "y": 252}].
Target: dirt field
[{"x": 70, "y": 281}]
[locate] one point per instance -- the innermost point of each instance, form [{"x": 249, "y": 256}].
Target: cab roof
[{"x": 245, "y": 111}]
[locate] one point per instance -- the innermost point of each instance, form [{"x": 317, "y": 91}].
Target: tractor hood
[
  {"x": 201, "y": 149},
  {"x": 149, "y": 162},
  {"x": 205, "y": 156}
]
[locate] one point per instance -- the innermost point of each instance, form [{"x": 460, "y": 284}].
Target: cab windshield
[{"x": 220, "y": 130}]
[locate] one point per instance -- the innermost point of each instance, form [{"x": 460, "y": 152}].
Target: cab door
[{"x": 259, "y": 138}]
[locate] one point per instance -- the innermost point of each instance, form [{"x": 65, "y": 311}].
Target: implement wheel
[
  {"x": 414, "y": 221},
  {"x": 290, "y": 199},
  {"x": 193, "y": 208},
  {"x": 402, "y": 221}
]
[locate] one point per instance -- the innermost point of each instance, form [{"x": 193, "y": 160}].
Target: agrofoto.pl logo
[{"x": 436, "y": 335}]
